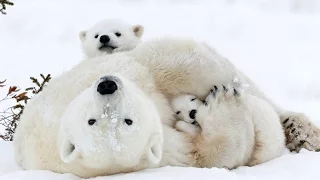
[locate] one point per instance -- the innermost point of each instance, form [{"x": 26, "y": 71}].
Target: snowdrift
[{"x": 289, "y": 166}]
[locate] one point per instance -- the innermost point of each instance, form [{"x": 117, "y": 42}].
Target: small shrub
[
  {"x": 10, "y": 117},
  {"x": 4, "y": 4}
]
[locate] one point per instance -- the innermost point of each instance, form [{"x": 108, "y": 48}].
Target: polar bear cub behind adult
[
  {"x": 109, "y": 36},
  {"x": 235, "y": 128}
]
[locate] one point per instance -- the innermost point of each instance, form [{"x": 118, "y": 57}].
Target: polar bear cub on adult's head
[
  {"x": 103, "y": 127},
  {"x": 109, "y": 36}
]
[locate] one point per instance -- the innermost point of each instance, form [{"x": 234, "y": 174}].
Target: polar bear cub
[
  {"x": 109, "y": 36},
  {"x": 231, "y": 126},
  {"x": 185, "y": 108}
]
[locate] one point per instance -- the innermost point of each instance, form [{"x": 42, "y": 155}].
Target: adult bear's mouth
[{"x": 105, "y": 47}]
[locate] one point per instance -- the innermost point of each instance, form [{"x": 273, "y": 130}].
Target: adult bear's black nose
[
  {"x": 192, "y": 114},
  {"x": 104, "y": 39},
  {"x": 107, "y": 87}
]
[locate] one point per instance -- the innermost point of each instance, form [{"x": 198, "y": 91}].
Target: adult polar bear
[
  {"x": 122, "y": 36},
  {"x": 176, "y": 67}
]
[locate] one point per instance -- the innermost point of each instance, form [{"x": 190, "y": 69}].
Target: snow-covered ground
[
  {"x": 304, "y": 165},
  {"x": 276, "y": 42}
]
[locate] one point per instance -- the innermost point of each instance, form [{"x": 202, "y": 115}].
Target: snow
[
  {"x": 112, "y": 130},
  {"x": 304, "y": 165},
  {"x": 276, "y": 42}
]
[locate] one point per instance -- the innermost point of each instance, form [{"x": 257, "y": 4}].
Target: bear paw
[
  {"x": 300, "y": 133},
  {"x": 222, "y": 94},
  {"x": 221, "y": 103},
  {"x": 190, "y": 129}
]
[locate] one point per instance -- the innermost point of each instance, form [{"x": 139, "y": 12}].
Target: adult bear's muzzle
[{"x": 107, "y": 86}]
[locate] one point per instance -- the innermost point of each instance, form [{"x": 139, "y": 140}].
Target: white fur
[
  {"x": 191, "y": 129},
  {"x": 128, "y": 40},
  {"x": 126, "y": 144},
  {"x": 250, "y": 135},
  {"x": 44, "y": 140},
  {"x": 161, "y": 69},
  {"x": 183, "y": 105}
]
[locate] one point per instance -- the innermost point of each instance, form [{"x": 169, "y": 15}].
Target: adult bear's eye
[
  {"x": 96, "y": 36},
  {"x": 91, "y": 121},
  {"x": 128, "y": 121},
  {"x": 193, "y": 99},
  {"x": 178, "y": 112},
  {"x": 117, "y": 34}
]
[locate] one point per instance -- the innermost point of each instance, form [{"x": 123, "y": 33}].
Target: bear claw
[
  {"x": 235, "y": 91},
  {"x": 224, "y": 88},
  {"x": 300, "y": 134}
]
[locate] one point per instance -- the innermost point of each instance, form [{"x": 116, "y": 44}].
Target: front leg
[
  {"x": 300, "y": 132},
  {"x": 226, "y": 129}
]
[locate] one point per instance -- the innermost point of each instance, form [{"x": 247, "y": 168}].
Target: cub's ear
[
  {"x": 138, "y": 30},
  {"x": 154, "y": 153},
  {"x": 68, "y": 152},
  {"x": 82, "y": 35}
]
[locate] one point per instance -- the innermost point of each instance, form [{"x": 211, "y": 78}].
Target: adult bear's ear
[
  {"x": 68, "y": 151},
  {"x": 82, "y": 35},
  {"x": 155, "y": 146},
  {"x": 138, "y": 30}
]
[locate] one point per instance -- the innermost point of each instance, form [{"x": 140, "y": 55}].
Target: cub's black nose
[
  {"x": 104, "y": 39},
  {"x": 192, "y": 114},
  {"x": 107, "y": 87}
]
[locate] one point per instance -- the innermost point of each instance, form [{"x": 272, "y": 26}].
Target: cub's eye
[
  {"x": 96, "y": 36},
  {"x": 117, "y": 34},
  {"x": 91, "y": 122},
  {"x": 178, "y": 112},
  {"x": 128, "y": 121},
  {"x": 193, "y": 99}
]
